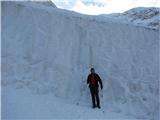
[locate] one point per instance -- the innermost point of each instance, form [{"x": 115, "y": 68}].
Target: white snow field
[{"x": 47, "y": 53}]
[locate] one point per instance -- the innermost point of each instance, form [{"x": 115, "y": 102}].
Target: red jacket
[{"x": 97, "y": 80}]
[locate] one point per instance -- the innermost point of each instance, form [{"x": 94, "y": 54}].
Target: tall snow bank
[{"x": 50, "y": 50}]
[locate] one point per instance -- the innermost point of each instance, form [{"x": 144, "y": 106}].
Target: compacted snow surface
[
  {"x": 20, "y": 104},
  {"x": 47, "y": 53}
]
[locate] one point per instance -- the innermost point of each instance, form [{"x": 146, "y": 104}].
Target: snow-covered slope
[
  {"x": 49, "y": 50},
  {"x": 146, "y": 17}
]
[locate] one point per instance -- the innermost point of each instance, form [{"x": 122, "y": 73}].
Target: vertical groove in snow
[{"x": 90, "y": 56}]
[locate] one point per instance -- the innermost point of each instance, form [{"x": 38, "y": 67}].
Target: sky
[{"x": 96, "y": 7}]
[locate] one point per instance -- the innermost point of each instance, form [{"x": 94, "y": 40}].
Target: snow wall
[{"x": 49, "y": 50}]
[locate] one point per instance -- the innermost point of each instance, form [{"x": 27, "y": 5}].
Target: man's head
[{"x": 92, "y": 70}]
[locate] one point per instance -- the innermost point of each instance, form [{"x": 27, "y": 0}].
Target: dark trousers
[{"x": 95, "y": 96}]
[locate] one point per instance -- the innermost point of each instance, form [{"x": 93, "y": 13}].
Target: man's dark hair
[{"x": 92, "y": 68}]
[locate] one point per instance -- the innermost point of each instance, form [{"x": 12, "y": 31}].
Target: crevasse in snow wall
[{"x": 49, "y": 50}]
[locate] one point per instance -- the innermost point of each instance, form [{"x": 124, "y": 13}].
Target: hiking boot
[
  {"x": 99, "y": 107},
  {"x": 94, "y": 106}
]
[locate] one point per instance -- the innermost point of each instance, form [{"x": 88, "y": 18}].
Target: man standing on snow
[{"x": 93, "y": 80}]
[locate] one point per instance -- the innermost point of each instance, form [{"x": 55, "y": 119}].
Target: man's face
[{"x": 92, "y": 71}]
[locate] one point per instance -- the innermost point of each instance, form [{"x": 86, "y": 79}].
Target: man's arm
[
  {"x": 100, "y": 81},
  {"x": 88, "y": 80}
]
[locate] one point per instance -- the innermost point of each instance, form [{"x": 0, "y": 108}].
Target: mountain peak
[
  {"x": 141, "y": 16},
  {"x": 47, "y": 3}
]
